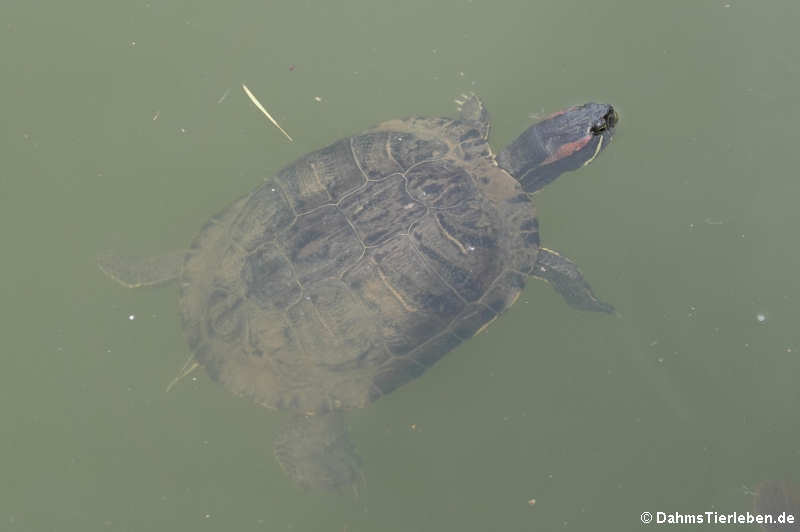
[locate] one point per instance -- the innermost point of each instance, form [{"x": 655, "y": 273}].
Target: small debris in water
[
  {"x": 261, "y": 108},
  {"x": 224, "y": 95},
  {"x": 291, "y": 68},
  {"x": 155, "y": 116},
  {"x": 761, "y": 317},
  {"x": 132, "y": 317},
  {"x": 318, "y": 99},
  {"x": 531, "y": 502}
]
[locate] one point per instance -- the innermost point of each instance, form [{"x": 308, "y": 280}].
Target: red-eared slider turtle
[{"x": 359, "y": 265}]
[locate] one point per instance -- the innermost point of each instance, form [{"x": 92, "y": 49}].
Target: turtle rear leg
[
  {"x": 137, "y": 272},
  {"x": 566, "y": 278}
]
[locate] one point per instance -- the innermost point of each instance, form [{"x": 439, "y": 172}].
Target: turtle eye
[{"x": 598, "y": 127}]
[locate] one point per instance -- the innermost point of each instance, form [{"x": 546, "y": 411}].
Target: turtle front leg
[{"x": 566, "y": 278}]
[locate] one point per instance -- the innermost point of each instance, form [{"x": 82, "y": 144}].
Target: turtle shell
[{"x": 358, "y": 266}]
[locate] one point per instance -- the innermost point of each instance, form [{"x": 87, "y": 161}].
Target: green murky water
[{"x": 124, "y": 127}]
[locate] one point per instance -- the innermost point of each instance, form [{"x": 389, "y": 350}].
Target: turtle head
[{"x": 561, "y": 142}]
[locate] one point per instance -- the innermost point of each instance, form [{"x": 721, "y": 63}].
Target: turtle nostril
[{"x": 611, "y": 117}]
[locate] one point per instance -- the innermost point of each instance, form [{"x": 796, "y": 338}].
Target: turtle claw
[
  {"x": 470, "y": 107},
  {"x": 463, "y": 98}
]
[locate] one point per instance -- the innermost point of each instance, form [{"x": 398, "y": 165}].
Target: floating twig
[
  {"x": 224, "y": 95},
  {"x": 261, "y": 108}
]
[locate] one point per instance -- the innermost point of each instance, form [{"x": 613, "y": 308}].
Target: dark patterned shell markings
[{"x": 358, "y": 266}]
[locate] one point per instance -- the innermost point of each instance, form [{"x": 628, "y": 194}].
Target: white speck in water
[
  {"x": 132, "y": 317},
  {"x": 761, "y": 317}
]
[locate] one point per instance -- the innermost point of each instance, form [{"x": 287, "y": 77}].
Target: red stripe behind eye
[{"x": 568, "y": 149}]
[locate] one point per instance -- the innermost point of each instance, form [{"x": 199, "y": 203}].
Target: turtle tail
[{"x": 316, "y": 452}]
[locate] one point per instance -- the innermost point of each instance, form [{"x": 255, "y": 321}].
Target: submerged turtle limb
[
  {"x": 566, "y": 278},
  {"x": 135, "y": 272},
  {"x": 315, "y": 451}
]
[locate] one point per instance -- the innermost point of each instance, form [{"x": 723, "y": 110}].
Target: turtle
[{"x": 358, "y": 266}]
